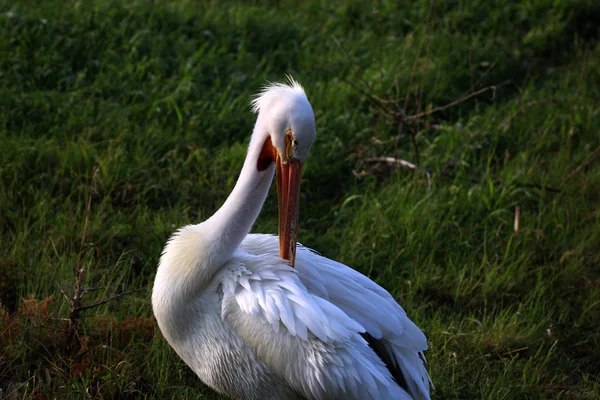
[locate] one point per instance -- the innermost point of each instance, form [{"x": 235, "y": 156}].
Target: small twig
[
  {"x": 400, "y": 129},
  {"x": 76, "y": 307},
  {"x": 65, "y": 295},
  {"x": 581, "y": 74},
  {"x": 74, "y": 312},
  {"x": 116, "y": 296},
  {"x": 419, "y": 89},
  {"x": 455, "y": 102},
  {"x": 542, "y": 187},
  {"x": 402, "y": 163},
  {"x": 392, "y": 160},
  {"x": 414, "y": 67},
  {"x": 449, "y": 175},
  {"x": 515, "y": 351},
  {"x": 376, "y": 11},
  {"x": 56, "y": 319},
  {"x": 400, "y": 115},
  {"x": 91, "y": 315},
  {"x": 481, "y": 77},
  {"x": 506, "y": 122},
  {"x": 353, "y": 64},
  {"x": 585, "y": 162},
  {"x": 372, "y": 98},
  {"x": 51, "y": 327},
  {"x": 413, "y": 139},
  {"x": 88, "y": 208},
  {"x": 88, "y": 290}
]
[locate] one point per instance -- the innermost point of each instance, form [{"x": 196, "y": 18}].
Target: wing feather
[
  {"x": 305, "y": 339},
  {"x": 345, "y": 295}
]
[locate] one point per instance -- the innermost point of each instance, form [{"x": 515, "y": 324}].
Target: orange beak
[{"x": 288, "y": 196}]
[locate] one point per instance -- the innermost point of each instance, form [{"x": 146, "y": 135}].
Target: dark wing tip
[{"x": 388, "y": 359}]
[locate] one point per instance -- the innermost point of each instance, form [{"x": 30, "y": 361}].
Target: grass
[{"x": 120, "y": 121}]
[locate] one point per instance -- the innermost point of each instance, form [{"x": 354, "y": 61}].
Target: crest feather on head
[{"x": 274, "y": 90}]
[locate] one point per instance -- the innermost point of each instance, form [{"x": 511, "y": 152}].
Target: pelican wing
[
  {"x": 392, "y": 335},
  {"x": 306, "y": 340}
]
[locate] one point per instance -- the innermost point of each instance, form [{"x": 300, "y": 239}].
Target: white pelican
[{"x": 252, "y": 326}]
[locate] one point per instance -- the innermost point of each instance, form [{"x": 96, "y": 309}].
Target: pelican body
[{"x": 256, "y": 316}]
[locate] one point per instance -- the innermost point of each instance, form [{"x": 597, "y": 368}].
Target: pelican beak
[{"x": 288, "y": 195}]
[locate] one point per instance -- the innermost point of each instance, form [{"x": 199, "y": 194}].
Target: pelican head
[{"x": 286, "y": 115}]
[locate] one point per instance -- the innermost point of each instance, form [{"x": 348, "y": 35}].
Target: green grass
[{"x": 120, "y": 121}]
